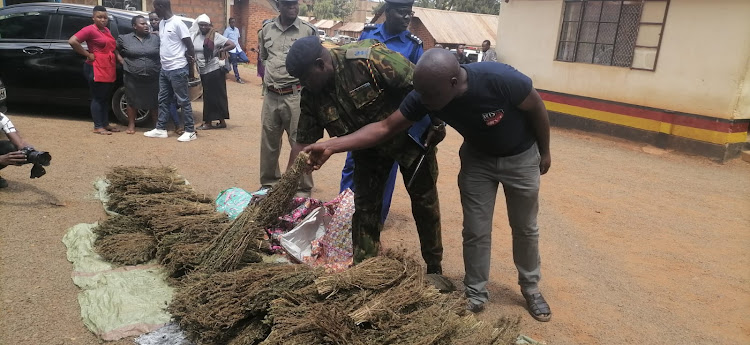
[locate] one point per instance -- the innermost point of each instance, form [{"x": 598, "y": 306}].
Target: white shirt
[
  {"x": 234, "y": 36},
  {"x": 171, "y": 48},
  {"x": 213, "y": 63},
  {"x": 6, "y": 125}
]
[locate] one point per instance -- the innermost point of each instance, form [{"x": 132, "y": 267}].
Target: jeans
[
  {"x": 233, "y": 60},
  {"x": 100, "y": 93},
  {"x": 173, "y": 86},
  {"x": 478, "y": 182}
]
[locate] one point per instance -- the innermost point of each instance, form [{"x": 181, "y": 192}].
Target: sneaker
[
  {"x": 188, "y": 136},
  {"x": 3, "y": 183},
  {"x": 240, "y": 81},
  {"x": 474, "y": 307},
  {"x": 156, "y": 133}
]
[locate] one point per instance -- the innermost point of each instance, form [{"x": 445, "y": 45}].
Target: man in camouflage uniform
[
  {"x": 281, "y": 103},
  {"x": 347, "y": 88}
]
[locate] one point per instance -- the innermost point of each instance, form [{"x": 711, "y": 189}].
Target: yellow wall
[{"x": 703, "y": 67}]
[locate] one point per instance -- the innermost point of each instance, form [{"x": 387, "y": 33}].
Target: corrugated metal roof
[
  {"x": 307, "y": 19},
  {"x": 451, "y": 27},
  {"x": 326, "y": 23},
  {"x": 356, "y": 27}
]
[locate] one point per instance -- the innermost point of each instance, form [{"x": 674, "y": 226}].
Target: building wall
[
  {"x": 417, "y": 28},
  {"x": 703, "y": 66},
  {"x": 82, "y": 2},
  {"x": 257, "y": 12},
  {"x": 215, "y": 9}
]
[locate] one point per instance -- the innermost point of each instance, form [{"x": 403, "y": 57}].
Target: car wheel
[{"x": 120, "y": 108}]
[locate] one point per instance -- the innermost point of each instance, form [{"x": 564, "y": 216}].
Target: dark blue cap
[
  {"x": 302, "y": 55},
  {"x": 399, "y": 3}
]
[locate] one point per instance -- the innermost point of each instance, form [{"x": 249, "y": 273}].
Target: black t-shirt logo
[{"x": 492, "y": 118}]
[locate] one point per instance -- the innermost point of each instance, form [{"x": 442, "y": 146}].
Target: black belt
[{"x": 285, "y": 90}]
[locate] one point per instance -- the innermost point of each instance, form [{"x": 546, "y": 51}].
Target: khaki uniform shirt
[
  {"x": 370, "y": 81},
  {"x": 274, "y": 44}
]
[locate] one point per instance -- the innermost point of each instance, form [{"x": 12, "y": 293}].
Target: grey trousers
[
  {"x": 280, "y": 114},
  {"x": 478, "y": 182}
]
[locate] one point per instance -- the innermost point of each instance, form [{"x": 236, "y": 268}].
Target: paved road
[{"x": 638, "y": 245}]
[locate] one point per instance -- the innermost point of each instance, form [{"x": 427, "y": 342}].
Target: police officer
[
  {"x": 281, "y": 104},
  {"x": 347, "y": 88},
  {"x": 393, "y": 32}
]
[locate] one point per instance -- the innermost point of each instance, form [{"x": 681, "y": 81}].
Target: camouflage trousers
[{"x": 372, "y": 167}]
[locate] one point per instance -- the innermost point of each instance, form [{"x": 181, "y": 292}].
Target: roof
[
  {"x": 452, "y": 27},
  {"x": 327, "y": 23},
  {"x": 355, "y": 27},
  {"x": 310, "y": 20}
]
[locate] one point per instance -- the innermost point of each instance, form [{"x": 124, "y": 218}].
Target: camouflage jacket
[{"x": 369, "y": 84}]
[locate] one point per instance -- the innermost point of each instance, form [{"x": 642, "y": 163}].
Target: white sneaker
[
  {"x": 156, "y": 133},
  {"x": 188, "y": 136}
]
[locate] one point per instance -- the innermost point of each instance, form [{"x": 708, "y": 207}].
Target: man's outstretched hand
[
  {"x": 319, "y": 154},
  {"x": 13, "y": 158}
]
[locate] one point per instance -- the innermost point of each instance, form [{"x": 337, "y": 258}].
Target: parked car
[
  {"x": 342, "y": 39},
  {"x": 322, "y": 35},
  {"x": 39, "y": 66}
]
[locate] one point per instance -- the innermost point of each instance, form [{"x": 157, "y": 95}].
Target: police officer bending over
[{"x": 345, "y": 89}]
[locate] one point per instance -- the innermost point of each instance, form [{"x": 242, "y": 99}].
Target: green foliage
[{"x": 331, "y": 9}]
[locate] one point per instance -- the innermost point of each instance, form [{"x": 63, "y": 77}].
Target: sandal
[
  {"x": 221, "y": 125},
  {"x": 102, "y": 131},
  {"x": 205, "y": 126},
  {"x": 112, "y": 129},
  {"x": 538, "y": 307}
]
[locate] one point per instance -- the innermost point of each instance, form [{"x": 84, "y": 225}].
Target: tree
[
  {"x": 472, "y": 6},
  {"x": 331, "y": 9}
]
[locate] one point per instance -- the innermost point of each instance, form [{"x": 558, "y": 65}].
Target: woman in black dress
[{"x": 138, "y": 52}]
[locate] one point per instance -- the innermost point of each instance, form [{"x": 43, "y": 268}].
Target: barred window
[{"x": 612, "y": 32}]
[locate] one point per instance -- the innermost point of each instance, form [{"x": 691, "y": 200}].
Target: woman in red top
[{"x": 100, "y": 69}]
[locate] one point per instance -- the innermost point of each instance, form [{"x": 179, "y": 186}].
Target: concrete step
[{"x": 745, "y": 155}]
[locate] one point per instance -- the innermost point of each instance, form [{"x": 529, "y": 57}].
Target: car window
[
  {"x": 124, "y": 26},
  {"x": 72, "y": 24},
  {"x": 25, "y": 25}
]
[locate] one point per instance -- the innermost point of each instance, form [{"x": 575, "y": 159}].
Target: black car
[{"x": 37, "y": 65}]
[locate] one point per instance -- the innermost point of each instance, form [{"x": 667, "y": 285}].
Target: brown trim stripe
[{"x": 689, "y": 120}]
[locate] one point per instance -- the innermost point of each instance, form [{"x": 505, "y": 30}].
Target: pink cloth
[
  {"x": 333, "y": 251},
  {"x": 98, "y": 42}
]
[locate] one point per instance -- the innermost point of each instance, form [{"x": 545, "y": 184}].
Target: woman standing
[
  {"x": 100, "y": 68},
  {"x": 209, "y": 45},
  {"x": 138, "y": 52}
]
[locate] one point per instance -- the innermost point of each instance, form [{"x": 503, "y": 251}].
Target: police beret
[
  {"x": 302, "y": 55},
  {"x": 400, "y": 2}
]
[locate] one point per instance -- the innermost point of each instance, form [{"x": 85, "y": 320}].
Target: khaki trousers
[{"x": 280, "y": 114}]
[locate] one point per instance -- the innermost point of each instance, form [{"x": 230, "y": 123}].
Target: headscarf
[{"x": 208, "y": 43}]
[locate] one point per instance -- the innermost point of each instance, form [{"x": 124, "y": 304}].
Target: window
[
  {"x": 612, "y": 32},
  {"x": 72, "y": 24},
  {"x": 28, "y": 25},
  {"x": 131, "y": 5}
]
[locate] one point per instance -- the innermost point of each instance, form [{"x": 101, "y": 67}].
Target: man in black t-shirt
[{"x": 506, "y": 141}]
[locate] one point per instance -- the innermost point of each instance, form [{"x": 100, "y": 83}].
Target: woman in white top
[{"x": 209, "y": 47}]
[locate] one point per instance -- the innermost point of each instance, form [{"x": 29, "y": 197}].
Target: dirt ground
[{"x": 638, "y": 245}]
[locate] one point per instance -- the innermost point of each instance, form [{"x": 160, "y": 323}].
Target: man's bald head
[{"x": 436, "y": 78}]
